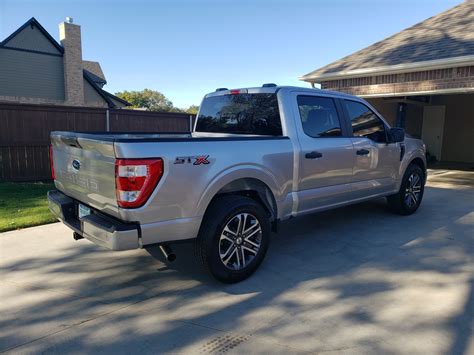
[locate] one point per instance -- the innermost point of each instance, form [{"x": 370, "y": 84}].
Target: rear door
[
  {"x": 376, "y": 161},
  {"x": 326, "y": 156}
]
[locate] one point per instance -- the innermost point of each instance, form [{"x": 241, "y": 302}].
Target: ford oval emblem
[{"x": 76, "y": 164}]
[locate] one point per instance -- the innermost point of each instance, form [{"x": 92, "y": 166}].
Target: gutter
[
  {"x": 417, "y": 93},
  {"x": 392, "y": 69}
]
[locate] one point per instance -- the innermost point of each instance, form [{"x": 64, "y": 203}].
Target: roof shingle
[{"x": 446, "y": 35}]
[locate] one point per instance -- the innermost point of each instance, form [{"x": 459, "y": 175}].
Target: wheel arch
[
  {"x": 252, "y": 187},
  {"x": 418, "y": 161}
]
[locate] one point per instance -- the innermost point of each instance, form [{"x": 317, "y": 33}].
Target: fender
[
  {"x": 412, "y": 152},
  {"x": 234, "y": 173}
]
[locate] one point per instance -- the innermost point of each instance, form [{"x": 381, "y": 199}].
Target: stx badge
[{"x": 196, "y": 160}]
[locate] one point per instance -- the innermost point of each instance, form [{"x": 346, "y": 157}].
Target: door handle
[
  {"x": 313, "y": 155},
  {"x": 362, "y": 152}
]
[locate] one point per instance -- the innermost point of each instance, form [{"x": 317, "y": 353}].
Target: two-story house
[{"x": 36, "y": 69}]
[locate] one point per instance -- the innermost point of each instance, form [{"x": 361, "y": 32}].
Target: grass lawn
[{"x": 24, "y": 205}]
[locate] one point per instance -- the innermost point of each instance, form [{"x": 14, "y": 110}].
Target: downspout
[
  {"x": 401, "y": 114},
  {"x": 107, "y": 120}
]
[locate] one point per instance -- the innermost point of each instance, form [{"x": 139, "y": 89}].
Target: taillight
[
  {"x": 135, "y": 180},
  {"x": 51, "y": 162}
]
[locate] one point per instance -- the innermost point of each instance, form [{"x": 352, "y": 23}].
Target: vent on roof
[
  {"x": 269, "y": 85},
  {"x": 221, "y": 89}
]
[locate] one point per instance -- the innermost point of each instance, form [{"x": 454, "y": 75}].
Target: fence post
[
  {"x": 191, "y": 123},
  {"x": 107, "y": 120}
]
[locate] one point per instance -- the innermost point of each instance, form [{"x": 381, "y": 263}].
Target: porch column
[{"x": 401, "y": 113}]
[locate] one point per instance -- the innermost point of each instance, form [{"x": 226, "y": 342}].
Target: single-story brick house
[
  {"x": 421, "y": 78},
  {"x": 36, "y": 69}
]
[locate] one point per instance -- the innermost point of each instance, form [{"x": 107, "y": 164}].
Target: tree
[
  {"x": 193, "y": 109},
  {"x": 150, "y": 99},
  {"x": 153, "y": 101}
]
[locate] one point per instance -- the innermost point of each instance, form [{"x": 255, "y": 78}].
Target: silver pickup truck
[{"x": 257, "y": 156}]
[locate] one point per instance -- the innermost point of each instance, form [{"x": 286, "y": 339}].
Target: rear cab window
[
  {"x": 319, "y": 116},
  {"x": 255, "y": 114}
]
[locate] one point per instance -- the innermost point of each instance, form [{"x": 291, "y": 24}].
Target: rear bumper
[{"x": 97, "y": 227}]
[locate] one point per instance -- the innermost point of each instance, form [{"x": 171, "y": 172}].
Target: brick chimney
[{"x": 70, "y": 37}]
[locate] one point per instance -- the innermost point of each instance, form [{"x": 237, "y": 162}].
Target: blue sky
[{"x": 187, "y": 48}]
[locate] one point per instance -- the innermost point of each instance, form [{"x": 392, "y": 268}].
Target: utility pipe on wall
[{"x": 107, "y": 120}]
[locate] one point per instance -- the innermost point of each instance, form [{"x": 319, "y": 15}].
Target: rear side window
[
  {"x": 240, "y": 114},
  {"x": 319, "y": 116},
  {"x": 365, "y": 122}
]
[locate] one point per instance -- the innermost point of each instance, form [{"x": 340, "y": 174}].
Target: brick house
[
  {"x": 421, "y": 78},
  {"x": 36, "y": 69}
]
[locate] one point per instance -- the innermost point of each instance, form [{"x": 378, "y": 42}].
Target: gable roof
[
  {"x": 99, "y": 81},
  {"x": 107, "y": 96},
  {"x": 439, "y": 39},
  {"x": 94, "y": 68},
  {"x": 42, "y": 43}
]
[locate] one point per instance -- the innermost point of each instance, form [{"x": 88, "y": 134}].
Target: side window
[
  {"x": 365, "y": 123},
  {"x": 319, "y": 116}
]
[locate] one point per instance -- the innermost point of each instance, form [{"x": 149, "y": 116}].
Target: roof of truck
[{"x": 274, "y": 89}]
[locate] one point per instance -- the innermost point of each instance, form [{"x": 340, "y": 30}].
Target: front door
[
  {"x": 326, "y": 156},
  {"x": 376, "y": 161},
  {"x": 432, "y": 131}
]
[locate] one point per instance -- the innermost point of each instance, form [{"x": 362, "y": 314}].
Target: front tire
[
  {"x": 409, "y": 197},
  {"x": 233, "y": 238}
]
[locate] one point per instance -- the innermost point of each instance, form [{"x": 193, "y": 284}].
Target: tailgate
[{"x": 85, "y": 169}]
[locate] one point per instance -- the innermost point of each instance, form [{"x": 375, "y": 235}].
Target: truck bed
[{"x": 93, "y": 184}]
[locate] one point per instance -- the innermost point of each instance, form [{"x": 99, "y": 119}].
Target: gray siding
[
  {"x": 91, "y": 96},
  {"x": 33, "y": 39},
  {"x": 31, "y": 75}
]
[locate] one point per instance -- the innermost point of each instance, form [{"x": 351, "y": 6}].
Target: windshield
[{"x": 240, "y": 114}]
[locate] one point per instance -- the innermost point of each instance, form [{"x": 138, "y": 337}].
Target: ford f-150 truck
[{"x": 256, "y": 156}]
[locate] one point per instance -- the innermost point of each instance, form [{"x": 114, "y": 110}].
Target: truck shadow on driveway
[{"x": 355, "y": 278}]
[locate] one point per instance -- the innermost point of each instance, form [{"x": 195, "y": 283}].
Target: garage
[{"x": 421, "y": 79}]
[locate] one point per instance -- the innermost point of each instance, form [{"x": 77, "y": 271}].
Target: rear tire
[
  {"x": 233, "y": 238},
  {"x": 409, "y": 197}
]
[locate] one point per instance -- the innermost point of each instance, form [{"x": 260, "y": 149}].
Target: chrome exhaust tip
[{"x": 168, "y": 253}]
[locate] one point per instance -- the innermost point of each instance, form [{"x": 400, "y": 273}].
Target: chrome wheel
[
  {"x": 240, "y": 241},
  {"x": 413, "y": 190}
]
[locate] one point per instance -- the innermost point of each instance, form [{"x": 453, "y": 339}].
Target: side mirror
[{"x": 396, "y": 135}]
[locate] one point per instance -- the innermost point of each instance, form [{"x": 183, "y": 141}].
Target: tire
[
  {"x": 409, "y": 197},
  {"x": 218, "y": 247}
]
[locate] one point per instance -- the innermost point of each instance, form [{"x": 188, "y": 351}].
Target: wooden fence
[{"x": 25, "y": 129}]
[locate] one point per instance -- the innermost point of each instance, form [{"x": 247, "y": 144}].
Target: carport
[{"x": 421, "y": 78}]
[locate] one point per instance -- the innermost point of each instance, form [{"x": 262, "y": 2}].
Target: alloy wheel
[
  {"x": 413, "y": 190},
  {"x": 240, "y": 241}
]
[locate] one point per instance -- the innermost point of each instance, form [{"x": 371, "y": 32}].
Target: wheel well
[
  {"x": 421, "y": 164},
  {"x": 254, "y": 189}
]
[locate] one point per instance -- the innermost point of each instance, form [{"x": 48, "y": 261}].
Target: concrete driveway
[{"x": 354, "y": 280}]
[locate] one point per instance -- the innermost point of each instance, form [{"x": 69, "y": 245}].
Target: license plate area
[{"x": 83, "y": 211}]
